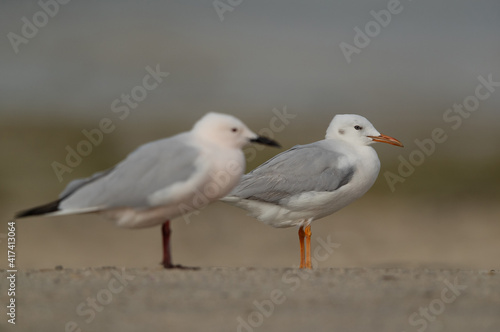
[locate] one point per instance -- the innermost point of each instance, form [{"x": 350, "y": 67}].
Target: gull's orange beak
[{"x": 386, "y": 139}]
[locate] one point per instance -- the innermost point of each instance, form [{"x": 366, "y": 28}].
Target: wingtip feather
[{"x": 39, "y": 210}]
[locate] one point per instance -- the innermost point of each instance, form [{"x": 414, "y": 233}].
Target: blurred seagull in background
[
  {"x": 312, "y": 181},
  {"x": 163, "y": 179}
]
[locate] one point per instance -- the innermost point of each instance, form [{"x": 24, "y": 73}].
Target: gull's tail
[{"x": 40, "y": 210}]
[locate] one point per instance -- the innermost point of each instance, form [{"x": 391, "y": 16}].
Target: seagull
[
  {"x": 164, "y": 179},
  {"x": 309, "y": 182}
]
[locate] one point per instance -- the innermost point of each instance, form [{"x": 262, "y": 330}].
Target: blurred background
[{"x": 66, "y": 67}]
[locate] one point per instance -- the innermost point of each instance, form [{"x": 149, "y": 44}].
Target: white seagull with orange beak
[{"x": 312, "y": 181}]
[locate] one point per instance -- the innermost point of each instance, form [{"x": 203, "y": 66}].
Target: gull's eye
[
  {"x": 358, "y": 127},
  {"x": 234, "y": 130}
]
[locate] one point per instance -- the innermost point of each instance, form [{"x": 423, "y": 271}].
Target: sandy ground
[
  {"x": 373, "y": 232},
  {"x": 383, "y": 264},
  {"x": 246, "y": 299}
]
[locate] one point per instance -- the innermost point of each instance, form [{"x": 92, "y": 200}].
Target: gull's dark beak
[
  {"x": 265, "y": 141},
  {"x": 386, "y": 139}
]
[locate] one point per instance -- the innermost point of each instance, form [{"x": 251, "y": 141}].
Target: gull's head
[
  {"x": 228, "y": 131},
  {"x": 357, "y": 130}
]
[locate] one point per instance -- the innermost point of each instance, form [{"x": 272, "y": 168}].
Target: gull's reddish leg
[
  {"x": 167, "y": 259},
  {"x": 308, "y": 233},
  {"x": 302, "y": 253}
]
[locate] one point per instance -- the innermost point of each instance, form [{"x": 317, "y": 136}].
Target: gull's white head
[
  {"x": 357, "y": 130},
  {"x": 228, "y": 131}
]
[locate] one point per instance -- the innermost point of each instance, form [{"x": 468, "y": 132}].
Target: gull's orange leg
[
  {"x": 308, "y": 233},
  {"x": 302, "y": 253}
]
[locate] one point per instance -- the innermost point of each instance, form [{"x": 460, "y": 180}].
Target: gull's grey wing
[
  {"x": 79, "y": 183},
  {"x": 152, "y": 167},
  {"x": 303, "y": 168}
]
